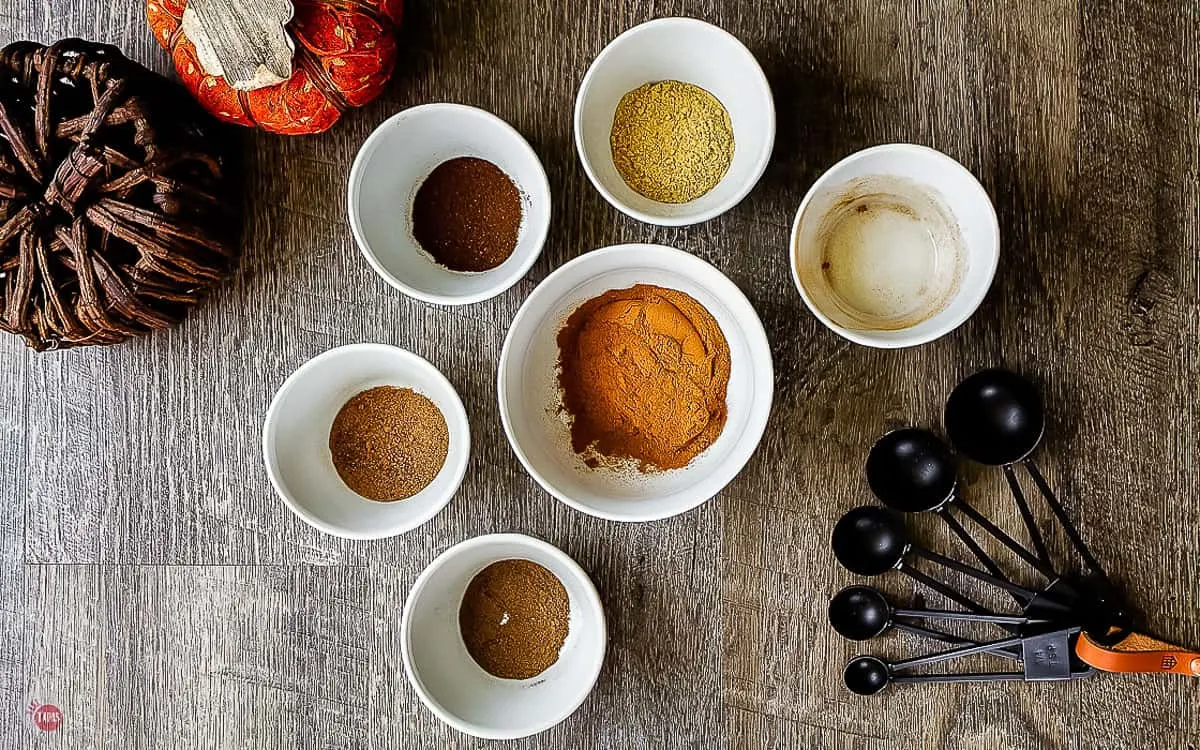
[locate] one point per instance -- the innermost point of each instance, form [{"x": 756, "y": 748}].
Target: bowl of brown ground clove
[
  {"x": 674, "y": 122},
  {"x": 503, "y": 636},
  {"x": 635, "y": 382},
  {"x": 366, "y": 441},
  {"x": 448, "y": 203}
]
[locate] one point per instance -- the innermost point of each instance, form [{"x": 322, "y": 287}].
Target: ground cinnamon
[
  {"x": 644, "y": 373},
  {"x": 514, "y": 619}
]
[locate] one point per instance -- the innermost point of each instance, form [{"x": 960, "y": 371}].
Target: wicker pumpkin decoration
[
  {"x": 115, "y": 211},
  {"x": 345, "y": 51}
]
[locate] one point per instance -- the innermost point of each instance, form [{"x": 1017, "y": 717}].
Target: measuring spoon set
[{"x": 1070, "y": 625}]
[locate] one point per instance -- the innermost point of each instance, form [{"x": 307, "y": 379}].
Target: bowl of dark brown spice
[
  {"x": 503, "y": 636},
  {"x": 674, "y": 122},
  {"x": 448, "y": 203},
  {"x": 366, "y": 441},
  {"x": 635, "y": 382}
]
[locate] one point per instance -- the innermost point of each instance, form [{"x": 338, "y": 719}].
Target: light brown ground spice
[
  {"x": 514, "y": 619},
  {"x": 671, "y": 141},
  {"x": 389, "y": 443}
]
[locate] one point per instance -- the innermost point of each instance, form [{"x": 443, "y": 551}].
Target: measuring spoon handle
[
  {"x": 953, "y": 640},
  {"x": 942, "y": 614},
  {"x": 975, "y": 573},
  {"x": 1063, "y": 519},
  {"x": 964, "y": 677}
]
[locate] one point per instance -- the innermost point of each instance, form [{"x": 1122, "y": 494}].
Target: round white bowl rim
[
  {"x": 756, "y": 340},
  {"x": 764, "y": 156},
  {"x": 355, "y": 177},
  {"x": 866, "y": 339},
  {"x": 590, "y": 593},
  {"x": 460, "y": 471}
]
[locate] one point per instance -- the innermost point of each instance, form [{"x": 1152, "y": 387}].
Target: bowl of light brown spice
[
  {"x": 674, "y": 122},
  {"x": 503, "y": 636},
  {"x": 366, "y": 441}
]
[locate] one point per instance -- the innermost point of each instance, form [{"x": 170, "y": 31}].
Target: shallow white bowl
[
  {"x": 457, "y": 689},
  {"x": 390, "y": 167},
  {"x": 953, "y": 186},
  {"x": 530, "y": 398},
  {"x": 692, "y": 51},
  {"x": 296, "y": 440}
]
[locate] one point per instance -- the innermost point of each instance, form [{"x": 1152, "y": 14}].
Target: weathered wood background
[{"x": 154, "y": 588}]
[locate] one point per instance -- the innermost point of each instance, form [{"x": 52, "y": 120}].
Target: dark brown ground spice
[
  {"x": 514, "y": 619},
  {"x": 467, "y": 215},
  {"x": 389, "y": 443}
]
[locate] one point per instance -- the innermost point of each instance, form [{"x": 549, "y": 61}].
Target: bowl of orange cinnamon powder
[{"x": 635, "y": 382}]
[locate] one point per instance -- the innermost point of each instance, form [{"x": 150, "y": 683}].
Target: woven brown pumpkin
[{"x": 116, "y": 211}]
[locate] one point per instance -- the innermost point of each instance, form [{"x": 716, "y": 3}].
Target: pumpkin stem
[{"x": 245, "y": 42}]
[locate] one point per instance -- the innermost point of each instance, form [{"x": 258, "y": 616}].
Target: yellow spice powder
[{"x": 671, "y": 141}]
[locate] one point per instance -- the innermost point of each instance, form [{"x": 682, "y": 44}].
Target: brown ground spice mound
[
  {"x": 389, "y": 443},
  {"x": 514, "y": 619},
  {"x": 467, "y": 214},
  {"x": 644, "y": 373}
]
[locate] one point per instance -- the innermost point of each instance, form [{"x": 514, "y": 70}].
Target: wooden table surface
[{"x": 155, "y": 589}]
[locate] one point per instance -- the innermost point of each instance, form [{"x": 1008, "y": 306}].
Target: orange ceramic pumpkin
[{"x": 345, "y": 52}]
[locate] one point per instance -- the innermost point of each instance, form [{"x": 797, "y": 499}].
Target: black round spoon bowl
[
  {"x": 866, "y": 675},
  {"x": 912, "y": 470},
  {"x": 869, "y": 541},
  {"x": 995, "y": 417},
  {"x": 859, "y": 613}
]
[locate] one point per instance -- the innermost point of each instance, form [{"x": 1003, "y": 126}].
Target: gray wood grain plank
[
  {"x": 201, "y": 657},
  {"x": 14, "y": 459}
]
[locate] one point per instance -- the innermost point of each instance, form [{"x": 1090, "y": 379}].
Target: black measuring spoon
[
  {"x": 868, "y": 675},
  {"x": 996, "y": 417},
  {"x": 860, "y": 613},
  {"x": 870, "y": 541},
  {"x": 1045, "y": 656},
  {"x": 911, "y": 470}
]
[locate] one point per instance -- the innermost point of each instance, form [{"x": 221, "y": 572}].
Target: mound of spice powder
[
  {"x": 644, "y": 372},
  {"x": 467, "y": 215},
  {"x": 514, "y": 619},
  {"x": 672, "y": 142},
  {"x": 389, "y": 443}
]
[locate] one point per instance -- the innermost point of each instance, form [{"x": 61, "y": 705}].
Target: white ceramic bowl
[
  {"x": 692, "y": 51},
  {"x": 390, "y": 167},
  {"x": 457, "y": 689},
  {"x": 530, "y": 398},
  {"x": 296, "y": 440},
  {"x": 954, "y": 188}
]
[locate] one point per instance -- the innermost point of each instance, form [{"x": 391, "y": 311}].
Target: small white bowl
[
  {"x": 455, "y": 687},
  {"x": 953, "y": 187},
  {"x": 390, "y": 167},
  {"x": 530, "y": 399},
  {"x": 692, "y": 51},
  {"x": 296, "y": 440}
]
